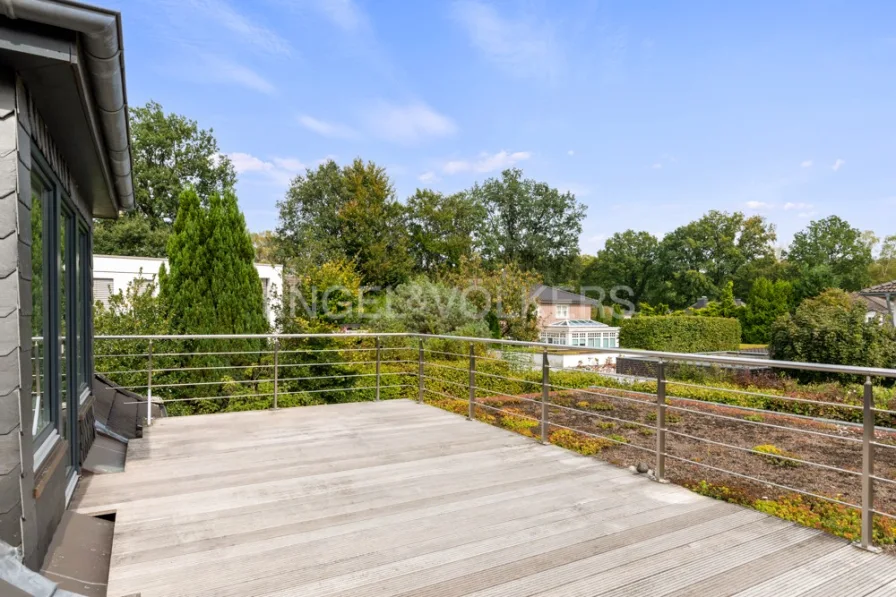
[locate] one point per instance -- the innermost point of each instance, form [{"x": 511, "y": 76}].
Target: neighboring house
[
  {"x": 64, "y": 161},
  {"x": 113, "y": 273},
  {"x": 565, "y": 319},
  {"x": 881, "y": 301}
]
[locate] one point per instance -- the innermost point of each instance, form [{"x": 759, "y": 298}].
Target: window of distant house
[{"x": 561, "y": 311}]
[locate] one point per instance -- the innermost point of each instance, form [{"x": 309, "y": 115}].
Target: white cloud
[
  {"x": 277, "y": 170},
  {"x": 327, "y": 129},
  {"x": 220, "y": 70},
  {"x": 789, "y": 206},
  {"x": 758, "y": 205},
  {"x": 428, "y": 177},
  {"x": 806, "y": 164},
  {"x": 220, "y": 12},
  {"x": 805, "y": 215},
  {"x": 524, "y": 48},
  {"x": 408, "y": 123},
  {"x": 657, "y": 166},
  {"x": 792, "y": 206},
  {"x": 571, "y": 152},
  {"x": 838, "y": 163},
  {"x": 486, "y": 162}
]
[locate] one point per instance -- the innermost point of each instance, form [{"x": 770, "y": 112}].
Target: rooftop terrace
[{"x": 399, "y": 498}]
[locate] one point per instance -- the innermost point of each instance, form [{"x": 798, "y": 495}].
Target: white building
[{"x": 113, "y": 273}]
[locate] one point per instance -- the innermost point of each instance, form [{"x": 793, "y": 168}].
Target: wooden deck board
[{"x": 395, "y": 498}]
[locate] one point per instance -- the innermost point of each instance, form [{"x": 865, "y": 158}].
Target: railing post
[
  {"x": 472, "y": 401},
  {"x": 378, "y": 359},
  {"x": 867, "y": 540},
  {"x": 149, "y": 387},
  {"x": 276, "y": 371},
  {"x": 660, "y": 471},
  {"x": 545, "y": 382},
  {"x": 420, "y": 373}
]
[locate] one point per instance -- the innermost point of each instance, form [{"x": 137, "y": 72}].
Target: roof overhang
[{"x": 70, "y": 57}]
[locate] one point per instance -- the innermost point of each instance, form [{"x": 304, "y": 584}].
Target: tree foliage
[
  {"x": 627, "y": 259},
  {"x": 170, "y": 153},
  {"x": 211, "y": 285},
  {"x": 529, "y": 223},
  {"x": 831, "y": 328},
  {"x": 833, "y": 254},
  {"x": 351, "y": 212},
  {"x": 323, "y": 299},
  {"x": 503, "y": 294},
  {"x": 766, "y": 302},
  {"x": 424, "y": 306},
  {"x": 699, "y": 258},
  {"x": 442, "y": 229},
  {"x": 266, "y": 246},
  {"x": 884, "y": 267}
]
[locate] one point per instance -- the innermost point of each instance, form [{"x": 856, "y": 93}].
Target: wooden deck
[{"x": 396, "y": 498}]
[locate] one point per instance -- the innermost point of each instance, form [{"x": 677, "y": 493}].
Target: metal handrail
[
  {"x": 538, "y": 407},
  {"x": 652, "y": 354}
]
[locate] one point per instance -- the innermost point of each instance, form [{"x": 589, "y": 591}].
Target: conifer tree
[{"x": 211, "y": 285}]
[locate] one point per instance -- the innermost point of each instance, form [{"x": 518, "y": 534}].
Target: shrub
[
  {"x": 831, "y": 328},
  {"x": 578, "y": 442},
  {"x": 520, "y": 424},
  {"x": 834, "y": 518},
  {"x": 676, "y": 333},
  {"x": 773, "y": 455}
]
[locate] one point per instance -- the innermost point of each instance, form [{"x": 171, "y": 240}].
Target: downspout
[{"x": 101, "y": 32}]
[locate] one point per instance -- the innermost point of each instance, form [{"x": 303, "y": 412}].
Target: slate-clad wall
[
  {"x": 15, "y": 322},
  {"x": 29, "y": 510}
]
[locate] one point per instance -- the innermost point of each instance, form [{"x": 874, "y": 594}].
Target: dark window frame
[
  {"x": 78, "y": 357},
  {"x": 48, "y": 202}
]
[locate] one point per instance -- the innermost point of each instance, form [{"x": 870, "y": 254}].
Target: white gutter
[{"x": 101, "y": 31}]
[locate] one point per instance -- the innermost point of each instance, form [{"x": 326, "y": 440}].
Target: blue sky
[{"x": 651, "y": 113}]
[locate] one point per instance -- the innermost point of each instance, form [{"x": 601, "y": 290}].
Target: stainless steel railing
[{"x": 236, "y": 372}]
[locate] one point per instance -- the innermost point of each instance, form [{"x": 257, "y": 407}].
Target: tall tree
[
  {"x": 170, "y": 153},
  {"x": 837, "y": 248},
  {"x": 766, "y": 302},
  {"x": 351, "y": 212},
  {"x": 697, "y": 259},
  {"x": 884, "y": 267},
  {"x": 442, "y": 228},
  {"x": 529, "y": 223},
  {"x": 627, "y": 259},
  {"x": 211, "y": 285},
  {"x": 266, "y": 245},
  {"x": 502, "y": 293}
]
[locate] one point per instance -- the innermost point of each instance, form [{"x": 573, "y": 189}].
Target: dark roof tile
[{"x": 557, "y": 296}]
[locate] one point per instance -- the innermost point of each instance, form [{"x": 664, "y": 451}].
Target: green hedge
[{"x": 680, "y": 333}]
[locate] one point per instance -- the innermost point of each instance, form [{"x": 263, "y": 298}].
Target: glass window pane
[
  {"x": 40, "y": 403},
  {"x": 83, "y": 309},
  {"x": 65, "y": 222}
]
